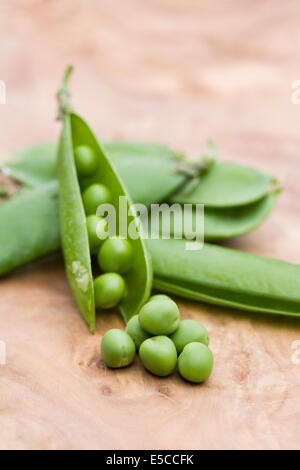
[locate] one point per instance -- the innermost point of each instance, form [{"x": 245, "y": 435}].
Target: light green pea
[
  {"x": 115, "y": 255},
  {"x": 160, "y": 316},
  {"x": 189, "y": 331},
  {"x": 117, "y": 349},
  {"x": 85, "y": 160},
  {"x": 158, "y": 355},
  {"x": 136, "y": 332},
  {"x": 96, "y": 226},
  {"x": 110, "y": 289},
  {"x": 94, "y": 196},
  {"x": 195, "y": 363}
]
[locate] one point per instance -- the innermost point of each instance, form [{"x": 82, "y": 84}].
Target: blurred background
[{"x": 174, "y": 72}]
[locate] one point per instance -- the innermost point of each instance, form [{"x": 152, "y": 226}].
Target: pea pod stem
[{"x": 63, "y": 95}]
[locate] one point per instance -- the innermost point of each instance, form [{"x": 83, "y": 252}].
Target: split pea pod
[
  {"x": 226, "y": 277},
  {"x": 77, "y": 135}
]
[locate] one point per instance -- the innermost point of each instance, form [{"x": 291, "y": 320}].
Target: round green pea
[
  {"x": 115, "y": 255},
  {"x": 117, "y": 349},
  {"x": 195, "y": 363},
  {"x": 189, "y": 331},
  {"x": 160, "y": 316},
  {"x": 158, "y": 297},
  {"x": 109, "y": 288},
  {"x": 158, "y": 355},
  {"x": 85, "y": 160},
  {"x": 136, "y": 332},
  {"x": 94, "y": 196},
  {"x": 97, "y": 227}
]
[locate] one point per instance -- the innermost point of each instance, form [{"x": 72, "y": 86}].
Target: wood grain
[{"x": 175, "y": 72}]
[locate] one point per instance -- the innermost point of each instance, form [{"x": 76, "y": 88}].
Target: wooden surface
[{"x": 175, "y": 72}]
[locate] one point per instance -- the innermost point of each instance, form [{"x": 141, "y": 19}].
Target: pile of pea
[
  {"x": 114, "y": 255},
  {"x": 159, "y": 337}
]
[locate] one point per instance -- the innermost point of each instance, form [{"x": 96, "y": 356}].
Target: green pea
[
  {"x": 189, "y": 331},
  {"x": 117, "y": 349},
  {"x": 85, "y": 160},
  {"x": 160, "y": 316},
  {"x": 94, "y": 196},
  {"x": 109, "y": 288},
  {"x": 158, "y": 297},
  {"x": 195, "y": 363},
  {"x": 97, "y": 227},
  {"x": 158, "y": 355},
  {"x": 115, "y": 255},
  {"x": 136, "y": 332}
]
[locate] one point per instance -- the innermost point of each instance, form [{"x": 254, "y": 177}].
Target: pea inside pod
[{"x": 74, "y": 232}]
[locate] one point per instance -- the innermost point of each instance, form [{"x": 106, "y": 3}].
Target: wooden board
[{"x": 175, "y": 72}]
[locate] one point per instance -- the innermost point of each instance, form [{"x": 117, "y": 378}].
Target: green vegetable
[
  {"x": 117, "y": 349},
  {"x": 226, "y": 277},
  {"x": 97, "y": 228},
  {"x": 136, "y": 332},
  {"x": 85, "y": 160},
  {"x": 29, "y": 227},
  {"x": 110, "y": 289},
  {"x": 195, "y": 363},
  {"x": 115, "y": 255},
  {"x": 189, "y": 331},
  {"x": 74, "y": 233},
  {"x": 226, "y": 185},
  {"x": 159, "y": 316},
  {"x": 158, "y": 355},
  {"x": 94, "y": 196}
]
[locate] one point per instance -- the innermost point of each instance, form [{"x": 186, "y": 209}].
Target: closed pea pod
[
  {"x": 226, "y": 185},
  {"x": 226, "y": 277},
  {"x": 75, "y": 240}
]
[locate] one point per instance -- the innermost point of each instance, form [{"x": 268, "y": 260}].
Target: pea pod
[
  {"x": 29, "y": 226},
  {"x": 220, "y": 224},
  {"x": 76, "y": 134},
  {"x": 226, "y": 277},
  {"x": 225, "y": 186}
]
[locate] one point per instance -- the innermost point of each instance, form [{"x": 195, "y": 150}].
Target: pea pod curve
[{"x": 73, "y": 220}]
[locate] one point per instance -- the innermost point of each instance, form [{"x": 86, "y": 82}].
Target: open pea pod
[
  {"x": 226, "y": 185},
  {"x": 74, "y": 234},
  {"x": 226, "y": 277}
]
